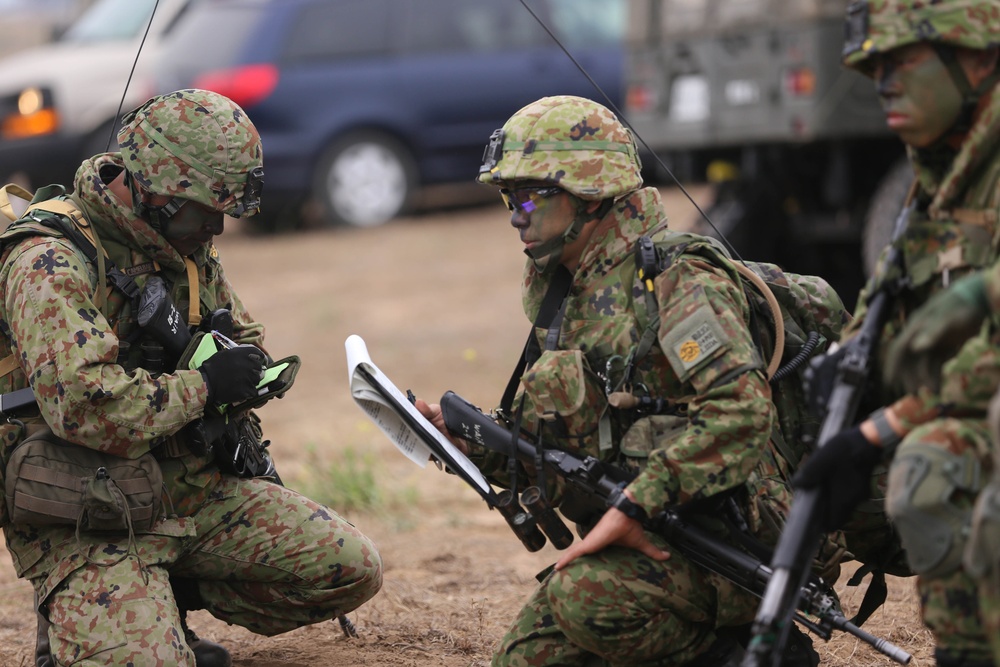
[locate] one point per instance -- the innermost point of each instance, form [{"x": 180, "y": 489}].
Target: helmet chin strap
[
  {"x": 158, "y": 217},
  {"x": 970, "y": 95},
  {"x": 546, "y": 256}
]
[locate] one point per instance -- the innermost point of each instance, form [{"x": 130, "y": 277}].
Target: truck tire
[{"x": 883, "y": 209}]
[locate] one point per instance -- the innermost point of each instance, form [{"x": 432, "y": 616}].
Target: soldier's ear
[{"x": 981, "y": 64}]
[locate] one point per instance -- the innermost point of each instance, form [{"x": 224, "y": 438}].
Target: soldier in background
[
  {"x": 569, "y": 173},
  {"x": 250, "y": 551},
  {"x": 934, "y": 65}
]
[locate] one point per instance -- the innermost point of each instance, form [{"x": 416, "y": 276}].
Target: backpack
[{"x": 812, "y": 317}]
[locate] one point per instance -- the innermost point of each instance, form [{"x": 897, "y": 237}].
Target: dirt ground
[{"x": 436, "y": 298}]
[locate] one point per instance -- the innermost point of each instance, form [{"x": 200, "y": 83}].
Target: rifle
[
  {"x": 800, "y": 537},
  {"x": 600, "y": 481}
]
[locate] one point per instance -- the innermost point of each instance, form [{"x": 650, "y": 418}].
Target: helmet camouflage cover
[
  {"x": 195, "y": 145},
  {"x": 572, "y": 142},
  {"x": 877, "y": 26}
]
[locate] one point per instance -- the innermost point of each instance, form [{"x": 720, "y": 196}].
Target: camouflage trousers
[
  {"x": 620, "y": 607},
  {"x": 264, "y": 557},
  {"x": 934, "y": 479}
]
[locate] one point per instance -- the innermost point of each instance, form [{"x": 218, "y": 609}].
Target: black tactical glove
[
  {"x": 232, "y": 374},
  {"x": 841, "y": 470}
]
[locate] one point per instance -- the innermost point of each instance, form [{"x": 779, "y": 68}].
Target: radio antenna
[
  {"x": 621, "y": 116},
  {"x": 118, "y": 114}
]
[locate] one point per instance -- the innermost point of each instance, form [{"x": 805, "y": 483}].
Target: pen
[{"x": 223, "y": 340}]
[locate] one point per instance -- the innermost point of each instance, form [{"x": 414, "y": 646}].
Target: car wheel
[
  {"x": 364, "y": 179},
  {"x": 886, "y": 203}
]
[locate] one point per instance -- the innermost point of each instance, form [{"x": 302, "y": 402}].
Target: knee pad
[
  {"x": 982, "y": 553},
  {"x": 923, "y": 479}
]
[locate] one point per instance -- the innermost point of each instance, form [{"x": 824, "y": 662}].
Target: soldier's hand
[
  {"x": 613, "y": 528},
  {"x": 841, "y": 471},
  {"x": 934, "y": 333},
  {"x": 432, "y": 411},
  {"x": 232, "y": 374}
]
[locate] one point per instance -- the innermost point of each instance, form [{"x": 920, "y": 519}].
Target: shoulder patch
[{"x": 698, "y": 339}]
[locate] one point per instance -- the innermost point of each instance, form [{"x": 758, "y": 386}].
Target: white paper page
[{"x": 386, "y": 417}]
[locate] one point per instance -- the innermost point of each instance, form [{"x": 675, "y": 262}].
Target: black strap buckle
[
  {"x": 493, "y": 152},
  {"x": 856, "y": 27},
  {"x": 251, "y": 192}
]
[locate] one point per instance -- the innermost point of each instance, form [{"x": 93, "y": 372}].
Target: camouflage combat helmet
[
  {"x": 193, "y": 145},
  {"x": 568, "y": 141},
  {"x": 877, "y": 26}
]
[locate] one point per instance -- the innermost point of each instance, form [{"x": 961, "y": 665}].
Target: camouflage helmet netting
[
  {"x": 193, "y": 144},
  {"x": 571, "y": 142},
  {"x": 973, "y": 24}
]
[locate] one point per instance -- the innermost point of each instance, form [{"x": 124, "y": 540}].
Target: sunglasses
[{"x": 528, "y": 199}]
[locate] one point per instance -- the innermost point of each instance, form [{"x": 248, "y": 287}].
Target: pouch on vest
[
  {"x": 649, "y": 433},
  {"x": 50, "y": 481},
  {"x": 561, "y": 391}
]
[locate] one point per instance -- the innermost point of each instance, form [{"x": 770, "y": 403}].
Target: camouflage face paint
[
  {"x": 920, "y": 99},
  {"x": 192, "y": 226},
  {"x": 543, "y": 229}
]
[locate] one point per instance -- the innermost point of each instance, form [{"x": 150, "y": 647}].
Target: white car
[{"x": 59, "y": 102}]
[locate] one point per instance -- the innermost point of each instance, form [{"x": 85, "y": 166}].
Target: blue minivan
[{"x": 362, "y": 102}]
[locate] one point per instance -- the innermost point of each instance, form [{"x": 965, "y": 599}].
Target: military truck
[{"x": 750, "y": 95}]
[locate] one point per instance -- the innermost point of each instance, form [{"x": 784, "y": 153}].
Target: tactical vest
[
  {"x": 51, "y": 213},
  {"x": 940, "y": 246},
  {"x": 603, "y": 386},
  {"x": 118, "y": 272}
]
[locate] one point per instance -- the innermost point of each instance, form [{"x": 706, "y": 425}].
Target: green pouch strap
[{"x": 201, "y": 347}]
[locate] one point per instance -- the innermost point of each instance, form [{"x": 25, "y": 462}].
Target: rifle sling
[{"x": 549, "y": 317}]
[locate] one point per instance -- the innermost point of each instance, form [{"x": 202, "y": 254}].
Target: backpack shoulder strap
[
  {"x": 14, "y": 201},
  {"x": 650, "y": 260},
  {"x": 66, "y": 217}
]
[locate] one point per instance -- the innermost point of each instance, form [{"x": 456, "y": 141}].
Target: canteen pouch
[
  {"x": 649, "y": 433},
  {"x": 50, "y": 481},
  {"x": 561, "y": 392}
]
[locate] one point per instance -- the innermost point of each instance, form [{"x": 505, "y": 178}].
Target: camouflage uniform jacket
[
  {"x": 954, "y": 230},
  {"x": 70, "y": 350},
  {"x": 705, "y": 361}
]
